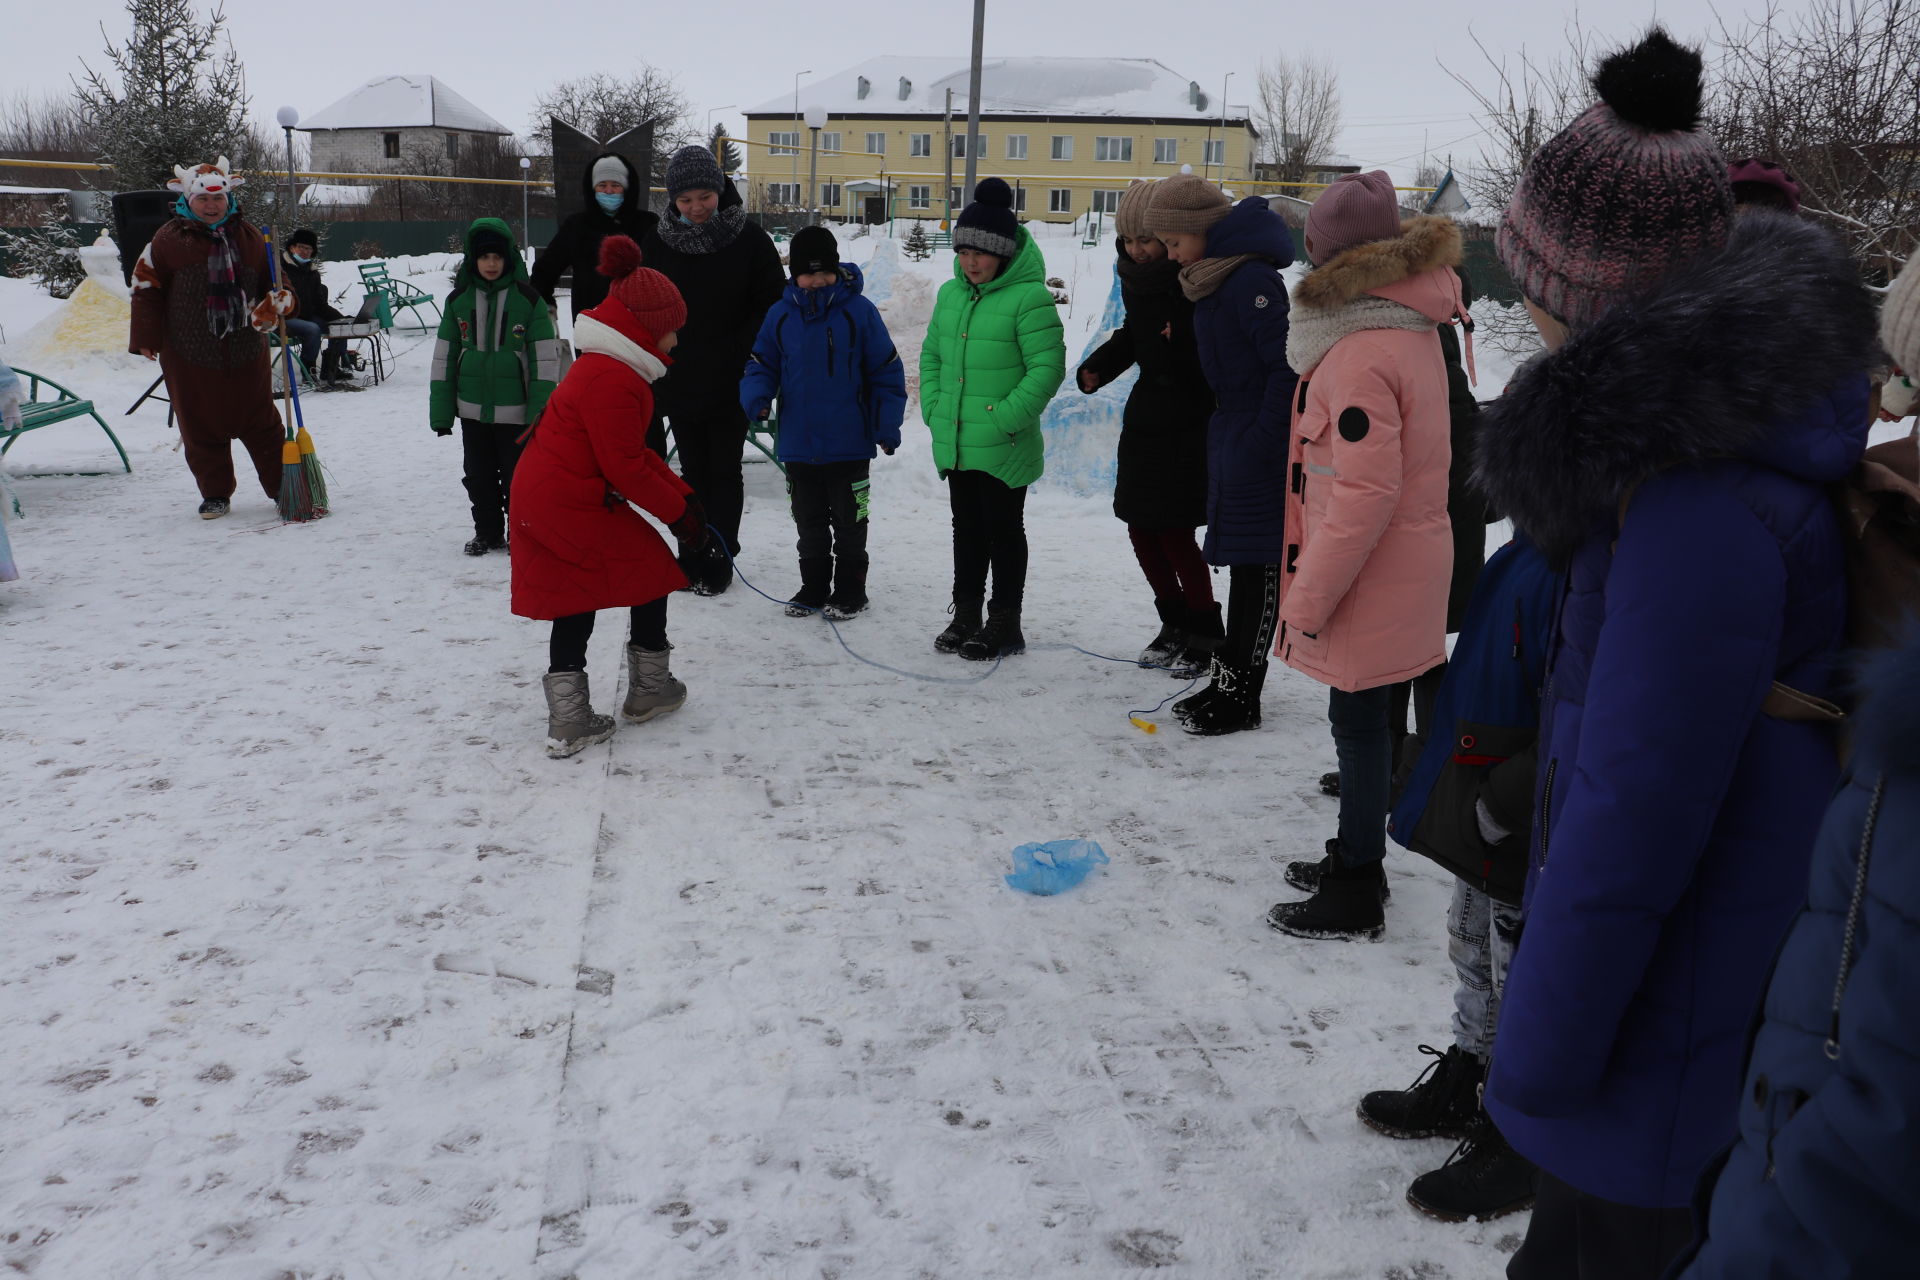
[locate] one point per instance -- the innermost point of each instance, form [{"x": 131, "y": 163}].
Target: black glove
[
  {"x": 691, "y": 527},
  {"x": 443, "y": 431}
]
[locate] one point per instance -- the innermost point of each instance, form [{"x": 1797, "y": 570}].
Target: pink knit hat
[{"x": 1357, "y": 208}]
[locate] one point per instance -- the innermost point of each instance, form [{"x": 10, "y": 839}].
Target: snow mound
[{"x": 91, "y": 325}]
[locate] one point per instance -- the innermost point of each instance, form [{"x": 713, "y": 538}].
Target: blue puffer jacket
[
  {"x": 1673, "y": 820},
  {"x": 827, "y": 354},
  {"x": 1824, "y": 1179},
  {"x": 1242, "y": 332}
]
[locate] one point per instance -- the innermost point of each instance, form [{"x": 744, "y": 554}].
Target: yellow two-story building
[{"x": 1068, "y": 134}]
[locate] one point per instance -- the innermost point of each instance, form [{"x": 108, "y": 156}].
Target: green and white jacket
[{"x": 497, "y": 356}]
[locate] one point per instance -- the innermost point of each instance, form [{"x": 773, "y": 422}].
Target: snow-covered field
[{"x": 317, "y": 969}]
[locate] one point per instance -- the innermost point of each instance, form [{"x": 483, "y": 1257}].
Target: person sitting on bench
[{"x": 316, "y": 312}]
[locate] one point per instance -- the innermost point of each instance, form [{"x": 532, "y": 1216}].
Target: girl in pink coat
[{"x": 1363, "y": 592}]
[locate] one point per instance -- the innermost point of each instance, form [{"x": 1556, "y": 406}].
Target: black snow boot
[
  {"x": 998, "y": 637},
  {"x": 330, "y": 370},
  {"x": 966, "y": 621},
  {"x": 1483, "y": 1179},
  {"x": 811, "y": 598},
  {"x": 715, "y": 569},
  {"x": 1234, "y": 706},
  {"x": 1346, "y": 905},
  {"x": 1305, "y": 876},
  {"x": 1330, "y": 784},
  {"x": 1199, "y": 641},
  {"x": 849, "y": 597},
  {"x": 1442, "y": 1102},
  {"x": 478, "y": 545},
  {"x": 1166, "y": 644}
]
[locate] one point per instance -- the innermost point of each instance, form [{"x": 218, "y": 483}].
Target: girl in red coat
[{"x": 578, "y": 545}]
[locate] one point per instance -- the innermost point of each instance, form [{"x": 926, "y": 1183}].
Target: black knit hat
[
  {"x": 693, "y": 168},
  {"x": 305, "y": 237},
  {"x": 813, "y": 249},
  {"x": 486, "y": 240},
  {"x": 988, "y": 223}
]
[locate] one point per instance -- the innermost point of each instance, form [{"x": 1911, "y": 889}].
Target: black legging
[
  {"x": 567, "y": 645},
  {"x": 989, "y": 532},
  {"x": 709, "y": 441}
]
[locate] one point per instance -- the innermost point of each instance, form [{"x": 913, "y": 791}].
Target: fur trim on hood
[
  {"x": 1424, "y": 243},
  {"x": 1730, "y": 355}
]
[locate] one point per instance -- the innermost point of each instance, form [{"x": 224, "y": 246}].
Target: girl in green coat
[
  {"x": 994, "y": 356},
  {"x": 494, "y": 366}
]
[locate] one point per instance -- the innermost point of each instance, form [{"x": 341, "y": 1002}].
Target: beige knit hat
[
  {"x": 1185, "y": 203},
  {"x": 1130, "y": 219},
  {"x": 1900, "y": 319}
]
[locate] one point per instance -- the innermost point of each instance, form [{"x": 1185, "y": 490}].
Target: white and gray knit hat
[{"x": 609, "y": 169}]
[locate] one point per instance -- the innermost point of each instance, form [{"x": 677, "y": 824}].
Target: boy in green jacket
[
  {"x": 994, "y": 355},
  {"x": 494, "y": 366}
]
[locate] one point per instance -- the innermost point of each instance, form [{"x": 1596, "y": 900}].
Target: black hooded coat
[{"x": 576, "y": 244}]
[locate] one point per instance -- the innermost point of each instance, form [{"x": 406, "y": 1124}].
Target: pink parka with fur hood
[{"x": 1363, "y": 592}]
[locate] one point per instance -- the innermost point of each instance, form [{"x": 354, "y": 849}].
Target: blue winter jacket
[
  {"x": 827, "y": 355},
  {"x": 1673, "y": 819},
  {"x": 1242, "y": 332},
  {"x": 1824, "y": 1179}
]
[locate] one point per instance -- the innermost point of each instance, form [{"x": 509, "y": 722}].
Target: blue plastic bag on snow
[{"x": 1055, "y": 866}]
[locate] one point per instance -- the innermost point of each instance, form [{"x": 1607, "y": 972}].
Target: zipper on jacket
[
  {"x": 1546, "y": 809},
  {"x": 829, "y": 346}
]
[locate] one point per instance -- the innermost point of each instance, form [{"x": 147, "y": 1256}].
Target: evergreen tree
[
  {"x": 175, "y": 94},
  {"x": 917, "y": 246},
  {"x": 46, "y": 254},
  {"x": 728, "y": 153}
]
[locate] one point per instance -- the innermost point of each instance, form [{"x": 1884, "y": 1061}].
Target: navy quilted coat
[
  {"x": 1674, "y": 821},
  {"x": 827, "y": 355}
]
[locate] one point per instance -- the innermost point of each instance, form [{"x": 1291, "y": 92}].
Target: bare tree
[
  {"x": 1832, "y": 93},
  {"x": 1519, "y": 103},
  {"x": 604, "y": 106},
  {"x": 1299, "y": 113}
]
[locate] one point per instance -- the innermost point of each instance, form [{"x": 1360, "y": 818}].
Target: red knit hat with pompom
[{"x": 650, "y": 296}]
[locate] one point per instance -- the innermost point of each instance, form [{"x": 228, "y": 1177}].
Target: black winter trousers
[
  {"x": 989, "y": 534},
  {"x": 710, "y": 440},
  {"x": 829, "y": 503},
  {"x": 1253, "y": 611},
  {"x": 487, "y": 456},
  {"x": 1576, "y": 1236},
  {"x": 567, "y": 643}
]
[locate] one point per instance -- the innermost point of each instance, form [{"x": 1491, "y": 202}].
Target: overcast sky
[{"x": 501, "y": 54}]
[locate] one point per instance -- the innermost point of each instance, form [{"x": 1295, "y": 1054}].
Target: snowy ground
[{"x": 318, "y": 969}]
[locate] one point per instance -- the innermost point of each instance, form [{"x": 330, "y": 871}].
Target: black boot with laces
[
  {"x": 966, "y": 621},
  {"x": 1483, "y": 1179},
  {"x": 998, "y": 637},
  {"x": 1442, "y": 1102}
]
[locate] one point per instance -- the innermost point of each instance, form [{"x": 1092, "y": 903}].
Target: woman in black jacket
[
  {"x": 730, "y": 274},
  {"x": 314, "y": 311},
  {"x": 1160, "y": 486},
  {"x": 615, "y": 204}
]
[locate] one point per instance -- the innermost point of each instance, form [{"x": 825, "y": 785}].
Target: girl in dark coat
[
  {"x": 612, "y": 204},
  {"x": 1160, "y": 489},
  {"x": 730, "y": 274}
]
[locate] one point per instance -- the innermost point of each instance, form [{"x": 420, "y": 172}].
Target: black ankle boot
[
  {"x": 966, "y": 621},
  {"x": 1346, "y": 905},
  {"x": 1305, "y": 876},
  {"x": 1160, "y": 650},
  {"x": 1442, "y": 1102},
  {"x": 1234, "y": 706},
  {"x": 1483, "y": 1179},
  {"x": 811, "y": 598},
  {"x": 998, "y": 637},
  {"x": 1200, "y": 638}
]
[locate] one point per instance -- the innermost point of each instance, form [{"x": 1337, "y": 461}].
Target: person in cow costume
[{"x": 202, "y": 304}]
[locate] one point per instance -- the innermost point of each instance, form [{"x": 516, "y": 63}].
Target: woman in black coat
[
  {"x": 1160, "y": 489},
  {"x": 615, "y": 204},
  {"x": 730, "y": 275}
]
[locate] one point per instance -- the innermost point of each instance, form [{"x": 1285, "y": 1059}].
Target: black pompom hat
[{"x": 988, "y": 223}]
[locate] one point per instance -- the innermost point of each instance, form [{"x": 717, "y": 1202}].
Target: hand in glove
[
  {"x": 691, "y": 527},
  {"x": 266, "y": 313},
  {"x": 444, "y": 431},
  {"x": 10, "y": 410}
]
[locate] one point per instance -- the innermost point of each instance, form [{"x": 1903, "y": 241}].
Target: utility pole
[
  {"x": 1223, "y": 125},
  {"x": 796, "y": 131},
  {"x": 973, "y": 99},
  {"x": 948, "y": 134}
]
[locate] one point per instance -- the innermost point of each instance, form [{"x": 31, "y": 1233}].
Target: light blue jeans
[{"x": 1481, "y": 933}]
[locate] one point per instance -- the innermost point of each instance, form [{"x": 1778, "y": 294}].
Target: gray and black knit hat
[
  {"x": 988, "y": 223},
  {"x": 693, "y": 169}
]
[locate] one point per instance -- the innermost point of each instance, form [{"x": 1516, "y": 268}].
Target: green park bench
[
  {"x": 391, "y": 296},
  {"x": 43, "y": 410}
]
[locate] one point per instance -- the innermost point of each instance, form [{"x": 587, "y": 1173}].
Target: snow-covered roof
[
  {"x": 334, "y": 193},
  {"x": 1008, "y": 86},
  {"x": 32, "y": 191},
  {"x": 402, "y": 102}
]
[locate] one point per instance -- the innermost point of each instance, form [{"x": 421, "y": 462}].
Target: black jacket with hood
[{"x": 577, "y": 243}]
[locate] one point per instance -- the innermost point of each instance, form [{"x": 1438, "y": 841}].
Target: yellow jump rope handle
[{"x": 1144, "y": 726}]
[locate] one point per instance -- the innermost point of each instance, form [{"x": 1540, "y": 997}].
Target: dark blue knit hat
[{"x": 988, "y": 223}]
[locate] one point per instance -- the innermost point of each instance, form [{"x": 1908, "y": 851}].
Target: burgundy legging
[{"x": 1171, "y": 560}]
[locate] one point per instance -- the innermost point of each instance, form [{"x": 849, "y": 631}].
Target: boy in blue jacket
[{"x": 824, "y": 350}]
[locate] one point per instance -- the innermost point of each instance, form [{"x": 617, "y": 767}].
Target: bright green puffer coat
[
  {"x": 497, "y": 356},
  {"x": 993, "y": 357}
]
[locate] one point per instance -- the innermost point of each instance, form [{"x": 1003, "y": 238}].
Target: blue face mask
[{"x": 609, "y": 200}]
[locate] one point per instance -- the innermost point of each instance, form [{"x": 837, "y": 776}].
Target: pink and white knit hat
[{"x": 1623, "y": 195}]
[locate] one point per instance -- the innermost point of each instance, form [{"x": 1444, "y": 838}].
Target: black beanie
[
  {"x": 813, "y": 249},
  {"x": 988, "y": 223},
  {"x": 487, "y": 240},
  {"x": 305, "y": 237}
]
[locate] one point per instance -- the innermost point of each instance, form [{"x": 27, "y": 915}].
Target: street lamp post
[
  {"x": 796, "y": 126},
  {"x": 973, "y": 96},
  {"x": 526, "y": 231},
  {"x": 1223, "y": 125},
  {"x": 289, "y": 117},
  {"x": 816, "y": 120}
]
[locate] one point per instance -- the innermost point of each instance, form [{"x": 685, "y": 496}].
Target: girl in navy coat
[
  {"x": 824, "y": 350},
  {"x": 1684, "y": 499}
]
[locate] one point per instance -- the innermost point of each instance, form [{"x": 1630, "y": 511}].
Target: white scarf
[{"x": 594, "y": 335}]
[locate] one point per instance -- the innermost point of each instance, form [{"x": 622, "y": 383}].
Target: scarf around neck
[
  {"x": 1312, "y": 331},
  {"x": 711, "y": 236},
  {"x": 226, "y": 305},
  {"x": 1203, "y": 277},
  {"x": 1149, "y": 277}
]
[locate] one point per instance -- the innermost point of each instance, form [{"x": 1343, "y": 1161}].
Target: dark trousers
[
  {"x": 487, "y": 454},
  {"x": 1173, "y": 564},
  {"x": 829, "y": 503},
  {"x": 567, "y": 643},
  {"x": 1417, "y": 695},
  {"x": 709, "y": 441},
  {"x": 989, "y": 534},
  {"x": 1575, "y": 1236},
  {"x": 1364, "y": 749}
]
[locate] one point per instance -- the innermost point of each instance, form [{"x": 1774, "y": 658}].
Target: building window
[
  {"x": 956, "y": 197},
  {"x": 876, "y": 144},
  {"x": 1166, "y": 151},
  {"x": 920, "y": 144},
  {"x": 919, "y": 197},
  {"x": 1106, "y": 202},
  {"x": 786, "y": 194},
  {"x": 1016, "y": 146},
  {"x": 1060, "y": 200},
  {"x": 783, "y": 144},
  {"x": 829, "y": 195},
  {"x": 391, "y": 141},
  {"x": 960, "y": 145},
  {"x": 1019, "y": 199},
  {"x": 1063, "y": 146},
  {"x": 453, "y": 146},
  {"x": 830, "y": 141},
  {"x": 1216, "y": 153},
  {"x": 1120, "y": 149}
]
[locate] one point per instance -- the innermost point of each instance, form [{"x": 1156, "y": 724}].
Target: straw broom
[{"x": 302, "y": 488}]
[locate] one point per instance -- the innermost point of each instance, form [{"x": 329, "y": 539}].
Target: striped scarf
[{"x": 226, "y": 305}]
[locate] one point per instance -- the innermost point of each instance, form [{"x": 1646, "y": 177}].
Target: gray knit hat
[
  {"x": 1185, "y": 204},
  {"x": 693, "y": 168},
  {"x": 1900, "y": 319},
  {"x": 609, "y": 169}
]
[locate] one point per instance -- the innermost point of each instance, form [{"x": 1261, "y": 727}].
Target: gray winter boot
[
  {"x": 572, "y": 726},
  {"x": 651, "y": 689}
]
